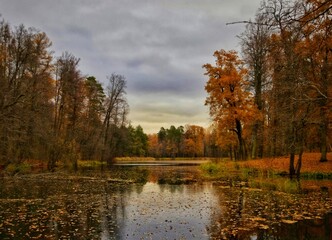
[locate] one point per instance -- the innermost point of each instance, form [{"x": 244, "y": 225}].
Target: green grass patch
[
  {"x": 90, "y": 163},
  {"x": 20, "y": 168},
  {"x": 211, "y": 169},
  {"x": 276, "y": 184},
  {"x": 247, "y": 173},
  {"x": 147, "y": 159},
  {"x": 316, "y": 175},
  {"x": 123, "y": 159},
  {"x": 218, "y": 170}
]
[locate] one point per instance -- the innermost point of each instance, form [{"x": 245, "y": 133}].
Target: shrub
[
  {"x": 211, "y": 168},
  {"x": 21, "y": 168}
]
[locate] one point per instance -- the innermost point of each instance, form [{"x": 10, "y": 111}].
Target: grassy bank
[
  {"x": 150, "y": 159},
  {"x": 311, "y": 167},
  {"x": 211, "y": 168}
]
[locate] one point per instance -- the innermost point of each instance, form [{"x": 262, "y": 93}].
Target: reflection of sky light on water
[
  {"x": 253, "y": 237},
  {"x": 84, "y": 207},
  {"x": 166, "y": 212}
]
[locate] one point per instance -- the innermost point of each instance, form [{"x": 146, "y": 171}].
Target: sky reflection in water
[
  {"x": 90, "y": 207},
  {"x": 166, "y": 211}
]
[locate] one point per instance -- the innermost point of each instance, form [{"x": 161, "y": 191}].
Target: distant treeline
[{"x": 189, "y": 141}]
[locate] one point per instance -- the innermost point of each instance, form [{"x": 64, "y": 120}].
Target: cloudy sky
[{"x": 158, "y": 45}]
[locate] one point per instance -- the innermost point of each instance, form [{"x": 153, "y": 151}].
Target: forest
[
  {"x": 276, "y": 99},
  {"x": 52, "y": 112},
  {"x": 271, "y": 99}
]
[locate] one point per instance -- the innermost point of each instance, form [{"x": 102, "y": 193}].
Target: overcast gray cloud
[{"x": 158, "y": 45}]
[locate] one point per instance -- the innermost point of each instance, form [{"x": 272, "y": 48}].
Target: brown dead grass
[{"x": 310, "y": 163}]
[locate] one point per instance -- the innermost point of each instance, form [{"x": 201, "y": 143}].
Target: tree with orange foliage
[
  {"x": 317, "y": 50},
  {"x": 194, "y": 141},
  {"x": 231, "y": 104},
  {"x": 211, "y": 146},
  {"x": 301, "y": 54},
  {"x": 153, "y": 145}
]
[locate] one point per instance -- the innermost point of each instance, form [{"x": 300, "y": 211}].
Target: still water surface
[
  {"x": 165, "y": 211},
  {"x": 91, "y": 206}
]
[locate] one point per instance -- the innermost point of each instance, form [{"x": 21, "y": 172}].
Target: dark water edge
[{"x": 151, "y": 202}]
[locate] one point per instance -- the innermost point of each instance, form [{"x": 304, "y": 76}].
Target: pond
[{"x": 160, "y": 202}]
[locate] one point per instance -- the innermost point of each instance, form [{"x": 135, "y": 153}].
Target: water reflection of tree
[
  {"x": 171, "y": 188},
  {"x": 173, "y": 174},
  {"x": 271, "y": 215},
  {"x": 113, "y": 212}
]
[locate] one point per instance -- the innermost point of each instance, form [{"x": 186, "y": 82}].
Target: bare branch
[{"x": 237, "y": 22}]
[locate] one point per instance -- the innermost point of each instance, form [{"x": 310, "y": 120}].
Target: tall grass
[
  {"x": 20, "y": 168},
  {"x": 219, "y": 170},
  {"x": 276, "y": 184}
]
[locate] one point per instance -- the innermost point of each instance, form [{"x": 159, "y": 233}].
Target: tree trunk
[
  {"x": 231, "y": 152},
  {"x": 52, "y": 160},
  {"x": 323, "y": 105},
  {"x": 299, "y": 164},
  {"x": 291, "y": 163},
  {"x": 254, "y": 142},
  {"x": 323, "y": 137},
  {"x": 241, "y": 150},
  {"x": 257, "y": 142}
]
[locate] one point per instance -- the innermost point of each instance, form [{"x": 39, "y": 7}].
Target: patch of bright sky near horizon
[{"x": 158, "y": 45}]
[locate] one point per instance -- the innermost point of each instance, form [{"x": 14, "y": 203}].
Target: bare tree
[
  {"x": 255, "y": 47},
  {"x": 116, "y": 108},
  {"x": 25, "y": 85},
  {"x": 68, "y": 104}
]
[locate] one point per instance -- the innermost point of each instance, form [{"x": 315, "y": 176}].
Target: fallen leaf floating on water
[{"x": 288, "y": 221}]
